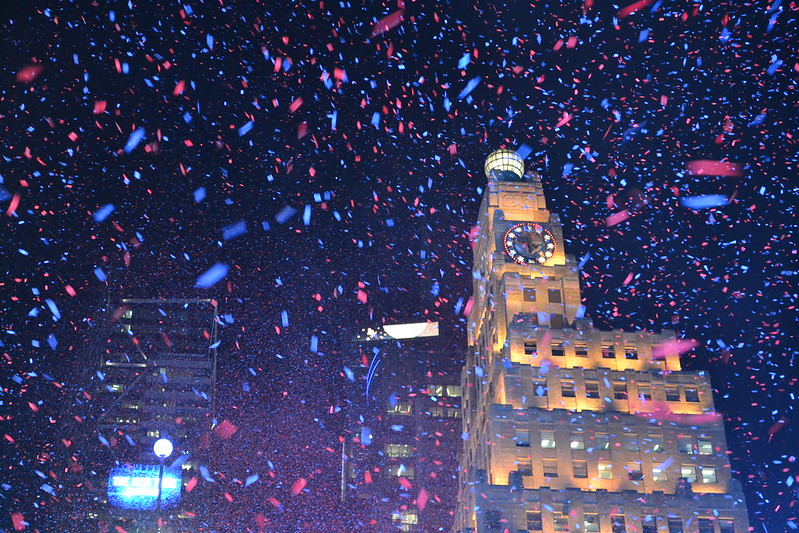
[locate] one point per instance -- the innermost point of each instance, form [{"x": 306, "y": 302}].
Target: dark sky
[{"x": 331, "y": 156}]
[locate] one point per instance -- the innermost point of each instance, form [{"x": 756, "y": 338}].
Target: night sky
[{"x": 321, "y": 163}]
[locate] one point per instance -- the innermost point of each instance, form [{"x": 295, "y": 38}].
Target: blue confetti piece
[
  {"x": 211, "y": 276},
  {"x": 234, "y": 230},
  {"x": 306, "y": 215},
  {"x": 53, "y": 308},
  {"x": 102, "y": 213},
  {"x": 99, "y": 274},
  {"x": 704, "y": 202},
  {"x": 245, "y": 129},
  {"x": 314, "y": 343},
  {"x": 134, "y": 140},
  {"x": 209, "y": 40},
  {"x": 474, "y": 82},
  {"x": 250, "y": 480},
  {"x": 284, "y": 317},
  {"x": 464, "y": 61},
  {"x": 52, "y": 341},
  {"x": 285, "y": 214},
  {"x": 350, "y": 375},
  {"x": 199, "y": 195}
]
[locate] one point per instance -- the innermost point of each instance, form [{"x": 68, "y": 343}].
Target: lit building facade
[
  {"x": 567, "y": 427},
  {"x": 401, "y": 457}
]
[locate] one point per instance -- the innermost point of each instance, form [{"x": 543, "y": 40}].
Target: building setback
[{"x": 567, "y": 427}]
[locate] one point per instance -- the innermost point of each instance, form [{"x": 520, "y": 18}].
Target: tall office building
[
  {"x": 155, "y": 378},
  {"x": 568, "y": 427},
  {"x": 401, "y": 458}
]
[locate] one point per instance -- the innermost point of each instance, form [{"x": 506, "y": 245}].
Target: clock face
[{"x": 529, "y": 243}]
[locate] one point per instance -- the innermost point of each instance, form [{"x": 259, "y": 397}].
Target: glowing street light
[{"x": 162, "y": 448}]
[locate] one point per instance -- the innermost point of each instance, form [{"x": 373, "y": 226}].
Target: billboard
[{"x": 136, "y": 487}]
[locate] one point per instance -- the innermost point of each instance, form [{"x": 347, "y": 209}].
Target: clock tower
[{"x": 567, "y": 427}]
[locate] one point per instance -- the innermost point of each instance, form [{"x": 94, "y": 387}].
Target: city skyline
[{"x": 328, "y": 162}]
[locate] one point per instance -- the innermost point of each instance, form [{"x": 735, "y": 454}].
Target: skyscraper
[{"x": 568, "y": 427}]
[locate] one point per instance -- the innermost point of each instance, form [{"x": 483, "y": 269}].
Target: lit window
[
  {"x": 685, "y": 445},
  {"x": 398, "y": 450},
  {"x": 608, "y": 351},
  {"x": 591, "y": 389},
  {"x": 617, "y": 524},
  {"x": 580, "y": 469},
  {"x": 534, "y": 522},
  {"x": 691, "y": 394},
  {"x": 605, "y": 470},
  {"x": 547, "y": 439},
  {"x": 581, "y": 349},
  {"x": 454, "y": 391},
  {"x": 630, "y": 352},
  {"x": 400, "y": 471},
  {"x": 560, "y": 521},
  {"x": 591, "y": 522},
  {"x": 704, "y": 447},
  {"x": 522, "y": 438},
  {"x": 435, "y": 390},
  {"x": 399, "y": 408},
  {"x": 406, "y": 519},
  {"x": 620, "y": 391},
  {"x": 634, "y": 471},
  {"x": 567, "y": 389},
  {"x": 554, "y": 296},
  {"x": 577, "y": 442},
  {"x": 675, "y": 525},
  {"x": 687, "y": 471},
  {"x": 672, "y": 393},
  {"x": 551, "y": 467},
  {"x": 659, "y": 473},
  {"x": 530, "y": 348},
  {"x": 602, "y": 441},
  {"x": 656, "y": 443},
  {"x": 708, "y": 474},
  {"x": 557, "y": 349}
]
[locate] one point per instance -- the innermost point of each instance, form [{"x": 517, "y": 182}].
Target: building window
[
  {"x": 688, "y": 472},
  {"x": 704, "y": 447},
  {"x": 631, "y": 443},
  {"x": 672, "y": 393},
  {"x": 705, "y": 525},
  {"x": 608, "y": 351},
  {"x": 556, "y": 321},
  {"x": 581, "y": 349},
  {"x": 645, "y": 392},
  {"x": 529, "y": 294},
  {"x": 567, "y": 389},
  {"x": 399, "y": 408},
  {"x": 620, "y": 391},
  {"x": 630, "y": 352},
  {"x": 605, "y": 470},
  {"x": 685, "y": 445},
  {"x": 634, "y": 472},
  {"x": 547, "y": 439},
  {"x": 525, "y": 468},
  {"x": 554, "y": 296},
  {"x": 726, "y": 526},
  {"x": 551, "y": 467},
  {"x": 591, "y": 389},
  {"x": 493, "y": 521},
  {"x": 675, "y": 525},
  {"x": 577, "y": 442},
  {"x": 708, "y": 474},
  {"x": 534, "y": 522},
  {"x": 436, "y": 390},
  {"x": 659, "y": 473},
  {"x": 454, "y": 391},
  {"x": 400, "y": 471},
  {"x": 398, "y": 450},
  {"x": 617, "y": 524},
  {"x": 602, "y": 441},
  {"x": 523, "y": 438},
  {"x": 591, "y": 522},
  {"x": 540, "y": 387},
  {"x": 530, "y": 348},
  {"x": 560, "y": 521},
  {"x": 691, "y": 394},
  {"x": 656, "y": 443},
  {"x": 580, "y": 469},
  {"x": 405, "y": 519},
  {"x": 558, "y": 349},
  {"x": 648, "y": 524}
]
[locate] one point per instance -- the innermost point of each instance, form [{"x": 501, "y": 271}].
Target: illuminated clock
[{"x": 529, "y": 243}]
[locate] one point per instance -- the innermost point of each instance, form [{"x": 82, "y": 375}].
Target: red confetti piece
[
  {"x": 405, "y": 483},
  {"x": 679, "y": 346},
  {"x": 298, "y": 485},
  {"x": 99, "y": 107},
  {"x": 387, "y": 22},
  {"x": 617, "y": 218},
  {"x": 421, "y": 501},
  {"x": 362, "y": 296},
  {"x": 179, "y": 88},
  {"x": 12, "y": 207},
  {"x": 29, "y": 73},
  {"x": 564, "y": 119},
  {"x": 367, "y": 477},
  {"x": 70, "y": 290},
  {"x": 778, "y": 425},
  {"x": 228, "y": 497},
  {"x": 18, "y": 520},
  {"x": 295, "y": 105},
  {"x": 703, "y": 167},
  {"x": 225, "y": 429},
  {"x": 191, "y": 484},
  {"x": 632, "y": 8},
  {"x": 72, "y": 136}
]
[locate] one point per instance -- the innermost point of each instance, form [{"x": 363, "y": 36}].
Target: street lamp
[{"x": 163, "y": 449}]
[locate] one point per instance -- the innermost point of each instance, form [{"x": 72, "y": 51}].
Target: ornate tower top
[{"x": 504, "y": 165}]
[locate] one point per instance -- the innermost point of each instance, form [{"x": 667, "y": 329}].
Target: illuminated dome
[{"x": 504, "y": 165}]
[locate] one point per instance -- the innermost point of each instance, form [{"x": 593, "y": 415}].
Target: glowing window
[
  {"x": 591, "y": 522},
  {"x": 659, "y": 473},
  {"x": 399, "y": 408},
  {"x": 454, "y": 391},
  {"x": 704, "y": 447},
  {"x": 688, "y": 472},
  {"x": 398, "y": 450},
  {"x": 608, "y": 351},
  {"x": 605, "y": 470},
  {"x": 708, "y": 474},
  {"x": 547, "y": 439},
  {"x": 577, "y": 442}
]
